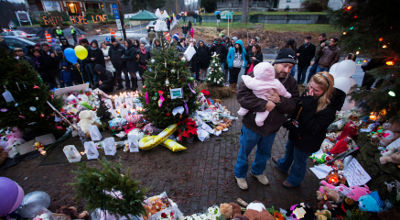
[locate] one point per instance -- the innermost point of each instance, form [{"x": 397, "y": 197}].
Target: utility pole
[{"x": 121, "y": 18}]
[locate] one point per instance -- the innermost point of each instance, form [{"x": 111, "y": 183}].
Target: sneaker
[
  {"x": 242, "y": 183},
  {"x": 261, "y": 178}
]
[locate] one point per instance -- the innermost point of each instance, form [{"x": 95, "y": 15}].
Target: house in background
[
  {"x": 296, "y": 4},
  {"x": 70, "y": 7},
  {"x": 264, "y": 5}
]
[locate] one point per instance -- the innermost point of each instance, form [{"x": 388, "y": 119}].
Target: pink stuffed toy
[
  {"x": 341, "y": 146},
  {"x": 354, "y": 192}
]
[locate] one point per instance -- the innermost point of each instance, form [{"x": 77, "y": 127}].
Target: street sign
[
  {"x": 227, "y": 15},
  {"x": 119, "y": 26},
  {"x": 108, "y": 39},
  {"x": 115, "y": 10}
]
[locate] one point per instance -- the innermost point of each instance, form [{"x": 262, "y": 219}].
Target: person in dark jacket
[
  {"x": 314, "y": 63},
  {"x": 264, "y": 136},
  {"x": 291, "y": 43},
  {"x": 249, "y": 47},
  {"x": 95, "y": 56},
  {"x": 38, "y": 62},
  {"x": 131, "y": 65},
  {"x": 86, "y": 67},
  {"x": 194, "y": 62},
  {"x": 204, "y": 59},
  {"x": 304, "y": 54},
  {"x": 115, "y": 52},
  {"x": 20, "y": 56},
  {"x": 50, "y": 65},
  {"x": 185, "y": 30},
  {"x": 317, "y": 110},
  {"x": 329, "y": 55},
  {"x": 105, "y": 77},
  {"x": 65, "y": 75},
  {"x": 143, "y": 57},
  {"x": 254, "y": 57}
]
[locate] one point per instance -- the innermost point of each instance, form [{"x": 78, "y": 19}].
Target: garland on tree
[
  {"x": 168, "y": 85},
  {"x": 109, "y": 189},
  {"x": 215, "y": 75},
  {"x": 24, "y": 95},
  {"x": 370, "y": 28}
]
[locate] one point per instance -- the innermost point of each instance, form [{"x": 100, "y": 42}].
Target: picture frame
[{"x": 176, "y": 93}]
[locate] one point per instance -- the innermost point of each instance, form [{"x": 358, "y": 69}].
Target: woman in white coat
[{"x": 109, "y": 65}]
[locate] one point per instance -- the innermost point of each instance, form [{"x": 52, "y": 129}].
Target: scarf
[{"x": 143, "y": 51}]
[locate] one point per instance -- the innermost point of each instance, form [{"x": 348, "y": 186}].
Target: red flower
[
  {"x": 172, "y": 214},
  {"x": 205, "y": 92},
  {"x": 163, "y": 215}
]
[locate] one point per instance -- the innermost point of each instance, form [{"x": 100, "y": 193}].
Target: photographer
[{"x": 307, "y": 129}]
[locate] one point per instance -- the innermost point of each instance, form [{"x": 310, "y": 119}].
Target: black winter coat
[
  {"x": 129, "y": 57},
  {"x": 115, "y": 54},
  {"x": 311, "y": 132},
  {"x": 143, "y": 59},
  {"x": 307, "y": 52},
  {"x": 220, "y": 50},
  {"x": 105, "y": 77},
  {"x": 204, "y": 57},
  {"x": 98, "y": 56},
  {"x": 259, "y": 58},
  {"x": 49, "y": 64}
]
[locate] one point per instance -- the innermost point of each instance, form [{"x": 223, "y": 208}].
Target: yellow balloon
[{"x": 81, "y": 52}]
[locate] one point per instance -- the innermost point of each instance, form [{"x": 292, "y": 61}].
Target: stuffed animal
[
  {"x": 87, "y": 119},
  {"x": 301, "y": 211},
  {"x": 327, "y": 145},
  {"x": 230, "y": 210},
  {"x": 257, "y": 211},
  {"x": 354, "y": 192},
  {"x": 341, "y": 146},
  {"x": 349, "y": 130},
  {"x": 335, "y": 178},
  {"x": 323, "y": 215},
  {"x": 71, "y": 212},
  {"x": 393, "y": 158},
  {"x": 371, "y": 202},
  {"x": 391, "y": 148}
]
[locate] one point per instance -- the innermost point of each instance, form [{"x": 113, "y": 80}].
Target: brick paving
[{"x": 195, "y": 179}]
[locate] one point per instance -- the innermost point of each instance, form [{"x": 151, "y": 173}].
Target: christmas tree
[
  {"x": 24, "y": 96},
  {"x": 370, "y": 29},
  {"x": 109, "y": 189},
  {"x": 168, "y": 86},
  {"x": 215, "y": 75}
]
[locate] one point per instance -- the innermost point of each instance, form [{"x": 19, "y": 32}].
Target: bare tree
[{"x": 245, "y": 10}]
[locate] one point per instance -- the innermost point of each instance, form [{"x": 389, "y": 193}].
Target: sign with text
[{"x": 58, "y": 20}]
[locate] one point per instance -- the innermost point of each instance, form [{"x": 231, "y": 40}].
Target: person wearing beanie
[
  {"x": 236, "y": 62},
  {"x": 263, "y": 136}
]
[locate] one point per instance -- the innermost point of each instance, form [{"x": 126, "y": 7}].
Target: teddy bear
[
  {"x": 230, "y": 210},
  {"x": 323, "y": 215},
  {"x": 87, "y": 119},
  {"x": 391, "y": 148},
  {"x": 257, "y": 211},
  {"x": 393, "y": 158}
]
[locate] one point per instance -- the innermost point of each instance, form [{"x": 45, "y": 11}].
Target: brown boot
[{"x": 233, "y": 87}]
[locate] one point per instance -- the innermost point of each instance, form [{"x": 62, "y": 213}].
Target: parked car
[
  {"x": 21, "y": 34},
  {"x": 13, "y": 42},
  {"x": 151, "y": 25}
]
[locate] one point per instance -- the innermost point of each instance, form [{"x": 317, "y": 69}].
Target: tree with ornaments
[
  {"x": 370, "y": 29},
  {"x": 215, "y": 75},
  {"x": 169, "y": 92},
  {"x": 24, "y": 96}
]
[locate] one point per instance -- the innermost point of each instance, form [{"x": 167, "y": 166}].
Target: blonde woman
[{"x": 316, "y": 111}]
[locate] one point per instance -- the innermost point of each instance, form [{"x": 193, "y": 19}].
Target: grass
[
  {"x": 318, "y": 28},
  {"x": 278, "y": 13}
]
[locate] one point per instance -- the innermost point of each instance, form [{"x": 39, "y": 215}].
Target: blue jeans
[
  {"x": 313, "y": 69},
  {"x": 296, "y": 161},
  {"x": 301, "y": 74},
  {"x": 293, "y": 71},
  {"x": 248, "y": 140},
  {"x": 322, "y": 69}
]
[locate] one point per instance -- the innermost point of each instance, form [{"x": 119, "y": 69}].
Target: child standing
[{"x": 65, "y": 75}]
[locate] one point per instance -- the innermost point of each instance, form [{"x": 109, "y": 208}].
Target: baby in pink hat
[{"x": 263, "y": 85}]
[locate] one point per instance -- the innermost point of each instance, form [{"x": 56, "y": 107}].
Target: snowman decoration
[{"x": 161, "y": 24}]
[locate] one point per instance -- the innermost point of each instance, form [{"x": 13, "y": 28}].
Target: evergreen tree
[
  {"x": 167, "y": 76},
  {"x": 109, "y": 189},
  {"x": 370, "y": 28},
  {"x": 27, "y": 105},
  {"x": 215, "y": 75}
]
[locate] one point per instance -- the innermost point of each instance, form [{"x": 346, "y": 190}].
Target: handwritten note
[{"x": 355, "y": 173}]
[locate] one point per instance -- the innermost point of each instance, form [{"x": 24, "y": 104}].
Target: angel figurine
[{"x": 161, "y": 24}]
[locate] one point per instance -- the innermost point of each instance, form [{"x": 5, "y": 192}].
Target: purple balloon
[
  {"x": 19, "y": 199},
  {"x": 8, "y": 195}
]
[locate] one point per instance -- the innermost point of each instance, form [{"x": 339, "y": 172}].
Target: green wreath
[{"x": 107, "y": 188}]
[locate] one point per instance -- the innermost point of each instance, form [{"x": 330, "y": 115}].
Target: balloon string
[{"x": 79, "y": 69}]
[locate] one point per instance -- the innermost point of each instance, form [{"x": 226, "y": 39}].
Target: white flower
[
  {"x": 153, "y": 60},
  {"x": 173, "y": 71},
  {"x": 183, "y": 59},
  {"x": 220, "y": 69}
]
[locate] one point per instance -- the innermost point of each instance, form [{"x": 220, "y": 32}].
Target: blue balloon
[{"x": 70, "y": 55}]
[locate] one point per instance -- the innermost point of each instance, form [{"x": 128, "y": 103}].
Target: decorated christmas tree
[
  {"x": 24, "y": 96},
  {"x": 370, "y": 29},
  {"x": 109, "y": 189},
  {"x": 215, "y": 75},
  {"x": 169, "y": 93}
]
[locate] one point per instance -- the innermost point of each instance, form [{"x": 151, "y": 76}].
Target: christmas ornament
[
  {"x": 3, "y": 110},
  {"x": 37, "y": 98},
  {"x": 42, "y": 115},
  {"x": 168, "y": 114},
  {"x": 173, "y": 71},
  {"x": 166, "y": 82},
  {"x": 8, "y": 96},
  {"x": 36, "y": 87},
  {"x": 21, "y": 116},
  {"x": 161, "y": 100},
  {"x": 186, "y": 108},
  {"x": 183, "y": 59},
  {"x": 16, "y": 104},
  {"x": 146, "y": 95},
  {"x": 144, "y": 86},
  {"x": 192, "y": 90},
  {"x": 32, "y": 108},
  {"x": 19, "y": 89},
  {"x": 152, "y": 60}
]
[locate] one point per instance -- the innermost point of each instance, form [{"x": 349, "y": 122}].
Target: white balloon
[
  {"x": 345, "y": 68},
  {"x": 344, "y": 84},
  {"x": 332, "y": 70},
  {"x": 32, "y": 203}
]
